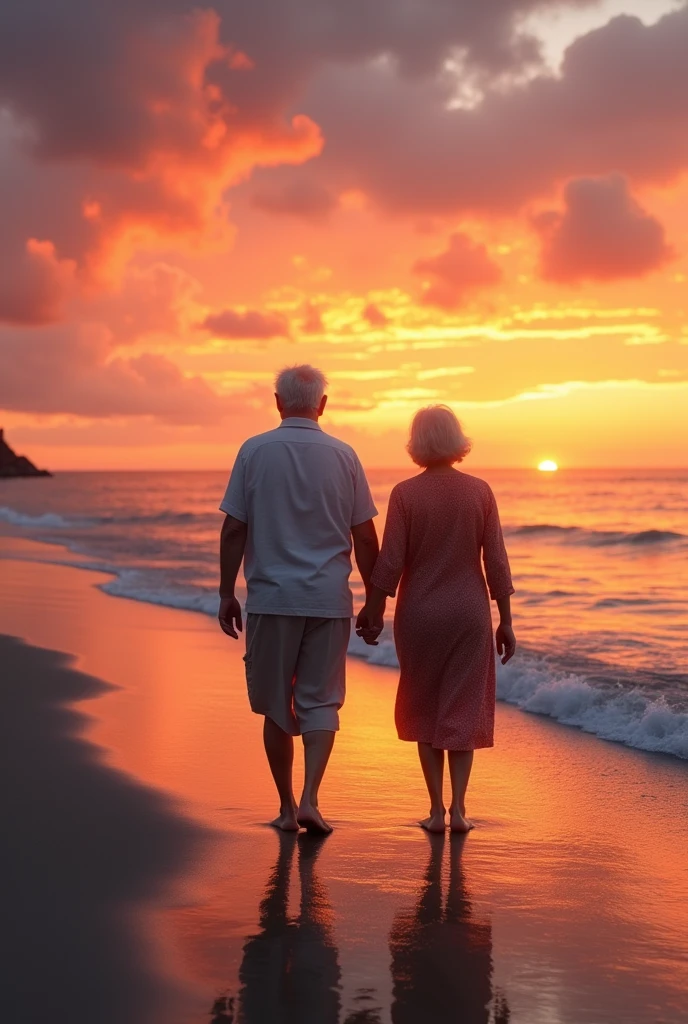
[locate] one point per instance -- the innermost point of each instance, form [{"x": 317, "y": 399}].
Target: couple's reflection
[
  {"x": 442, "y": 952},
  {"x": 290, "y": 969}
]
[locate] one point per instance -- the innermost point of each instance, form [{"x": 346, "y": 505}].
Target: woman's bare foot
[
  {"x": 310, "y": 818},
  {"x": 458, "y": 822},
  {"x": 286, "y": 820},
  {"x": 434, "y": 823}
]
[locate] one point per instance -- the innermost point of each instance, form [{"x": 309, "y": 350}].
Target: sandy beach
[{"x": 145, "y": 886}]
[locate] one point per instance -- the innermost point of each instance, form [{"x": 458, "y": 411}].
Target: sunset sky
[{"x": 483, "y": 204}]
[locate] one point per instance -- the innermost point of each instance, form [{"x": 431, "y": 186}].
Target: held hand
[
  {"x": 229, "y": 616},
  {"x": 368, "y": 626},
  {"x": 506, "y": 642}
]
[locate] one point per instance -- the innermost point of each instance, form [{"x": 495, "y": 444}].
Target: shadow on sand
[{"x": 82, "y": 846}]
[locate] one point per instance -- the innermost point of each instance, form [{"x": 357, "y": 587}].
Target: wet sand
[{"x": 568, "y": 903}]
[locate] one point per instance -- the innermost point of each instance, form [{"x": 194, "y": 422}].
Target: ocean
[{"x": 599, "y": 559}]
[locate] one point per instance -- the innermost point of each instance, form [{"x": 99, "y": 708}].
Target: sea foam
[{"x": 48, "y": 520}]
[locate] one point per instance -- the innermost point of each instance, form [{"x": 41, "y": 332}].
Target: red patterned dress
[{"x": 438, "y": 524}]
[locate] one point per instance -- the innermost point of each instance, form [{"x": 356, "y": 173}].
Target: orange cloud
[{"x": 151, "y": 138}]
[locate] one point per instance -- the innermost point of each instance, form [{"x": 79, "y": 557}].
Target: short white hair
[
  {"x": 436, "y": 436},
  {"x": 300, "y": 388}
]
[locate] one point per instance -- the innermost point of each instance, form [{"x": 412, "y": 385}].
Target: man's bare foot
[
  {"x": 435, "y": 823},
  {"x": 459, "y": 823},
  {"x": 286, "y": 820},
  {"x": 310, "y": 818}
]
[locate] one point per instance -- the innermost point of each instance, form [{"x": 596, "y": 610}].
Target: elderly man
[{"x": 295, "y": 499}]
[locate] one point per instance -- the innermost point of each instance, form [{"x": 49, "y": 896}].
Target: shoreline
[
  {"x": 631, "y": 716},
  {"x": 556, "y": 900},
  {"x": 81, "y": 894}
]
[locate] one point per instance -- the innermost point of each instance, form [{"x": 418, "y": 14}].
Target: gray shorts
[{"x": 296, "y": 670}]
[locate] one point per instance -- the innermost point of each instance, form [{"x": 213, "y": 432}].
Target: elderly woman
[{"x": 438, "y": 523}]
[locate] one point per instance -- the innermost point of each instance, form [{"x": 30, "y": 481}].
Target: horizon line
[{"x": 370, "y": 469}]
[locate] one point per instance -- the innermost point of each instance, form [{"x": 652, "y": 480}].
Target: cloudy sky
[{"x": 483, "y": 204}]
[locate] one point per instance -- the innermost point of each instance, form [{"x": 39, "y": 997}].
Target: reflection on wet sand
[
  {"x": 442, "y": 953},
  {"x": 290, "y": 969}
]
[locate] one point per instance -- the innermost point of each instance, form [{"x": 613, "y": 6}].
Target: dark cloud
[
  {"x": 251, "y": 323},
  {"x": 294, "y": 37},
  {"x": 66, "y": 370},
  {"x": 463, "y": 268},
  {"x": 299, "y": 197},
  {"x": 620, "y": 104},
  {"x": 602, "y": 234}
]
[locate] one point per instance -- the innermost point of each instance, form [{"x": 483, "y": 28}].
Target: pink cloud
[
  {"x": 66, "y": 370},
  {"x": 462, "y": 269},
  {"x": 34, "y": 285},
  {"x": 602, "y": 234},
  {"x": 251, "y": 323},
  {"x": 374, "y": 315},
  {"x": 312, "y": 322}
]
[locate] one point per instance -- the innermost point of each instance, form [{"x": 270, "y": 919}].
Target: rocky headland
[{"x": 12, "y": 464}]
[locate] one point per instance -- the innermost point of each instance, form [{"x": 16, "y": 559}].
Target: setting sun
[{"x": 548, "y": 466}]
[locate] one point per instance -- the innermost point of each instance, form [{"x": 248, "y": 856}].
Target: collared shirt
[{"x": 300, "y": 491}]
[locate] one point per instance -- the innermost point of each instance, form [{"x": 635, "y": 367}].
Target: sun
[{"x": 547, "y": 466}]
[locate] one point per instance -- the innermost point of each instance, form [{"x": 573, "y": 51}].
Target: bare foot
[
  {"x": 286, "y": 820},
  {"x": 458, "y": 823},
  {"x": 435, "y": 823},
  {"x": 310, "y": 818}
]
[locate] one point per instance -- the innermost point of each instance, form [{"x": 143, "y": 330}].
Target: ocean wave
[
  {"x": 136, "y": 586},
  {"x": 48, "y": 520},
  {"x": 51, "y": 520},
  {"x": 595, "y": 538},
  {"x": 625, "y": 716}
]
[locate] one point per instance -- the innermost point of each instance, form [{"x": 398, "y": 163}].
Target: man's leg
[
  {"x": 279, "y": 747},
  {"x": 272, "y": 649},
  {"x": 317, "y": 746},
  {"x": 319, "y": 689}
]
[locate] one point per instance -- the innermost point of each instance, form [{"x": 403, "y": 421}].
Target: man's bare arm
[
  {"x": 366, "y": 549},
  {"x": 232, "y": 545}
]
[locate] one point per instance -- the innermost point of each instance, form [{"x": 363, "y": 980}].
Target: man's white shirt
[{"x": 300, "y": 491}]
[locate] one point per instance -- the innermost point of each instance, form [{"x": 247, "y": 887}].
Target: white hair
[
  {"x": 300, "y": 388},
  {"x": 436, "y": 436}
]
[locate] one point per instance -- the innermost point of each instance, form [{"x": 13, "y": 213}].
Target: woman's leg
[
  {"x": 432, "y": 763},
  {"x": 460, "y": 764}
]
